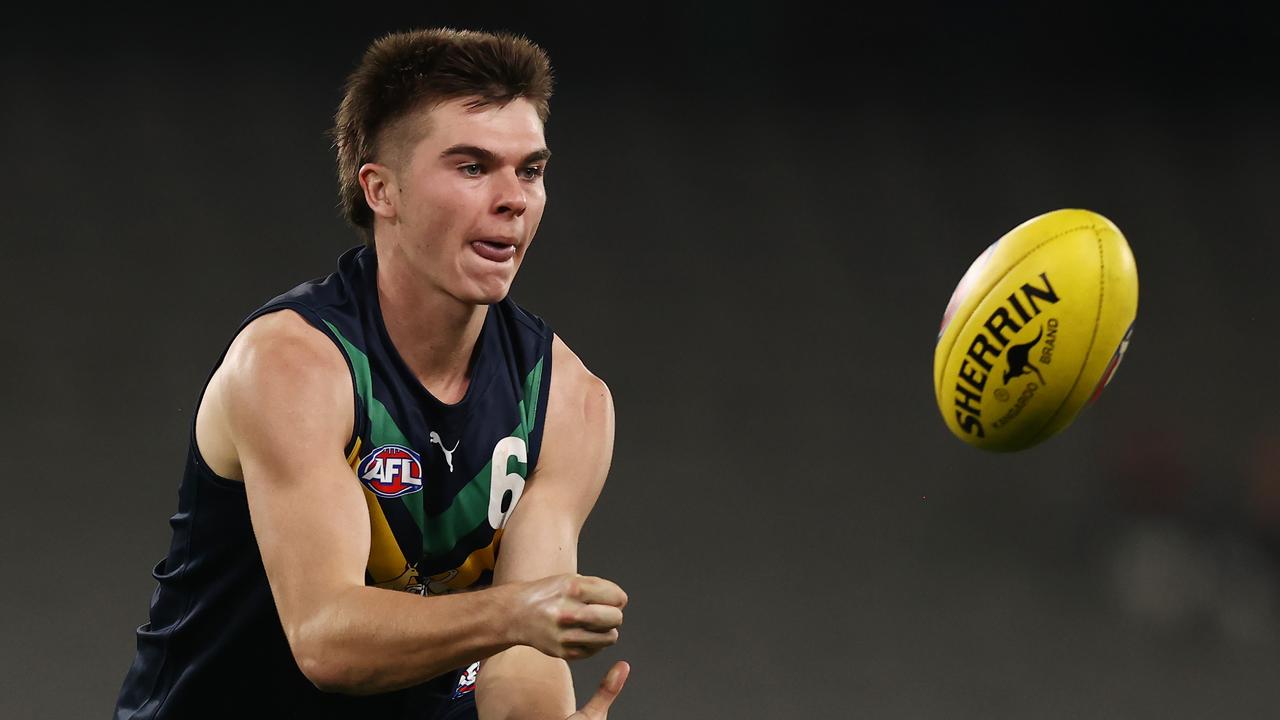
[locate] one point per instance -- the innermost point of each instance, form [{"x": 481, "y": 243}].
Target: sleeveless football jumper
[{"x": 439, "y": 482}]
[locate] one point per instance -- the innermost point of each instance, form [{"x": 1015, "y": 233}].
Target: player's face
[{"x": 471, "y": 197}]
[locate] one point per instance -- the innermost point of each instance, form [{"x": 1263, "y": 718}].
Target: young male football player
[{"x": 369, "y": 441}]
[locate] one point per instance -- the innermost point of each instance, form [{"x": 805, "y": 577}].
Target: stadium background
[{"x": 757, "y": 213}]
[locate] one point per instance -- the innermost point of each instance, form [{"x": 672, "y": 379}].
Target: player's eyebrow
[
  {"x": 536, "y": 156},
  {"x": 489, "y": 156}
]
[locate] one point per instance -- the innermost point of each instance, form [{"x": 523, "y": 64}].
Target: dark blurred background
[{"x": 757, "y": 213}]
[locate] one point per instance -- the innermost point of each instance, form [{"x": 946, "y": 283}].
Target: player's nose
[{"x": 509, "y": 197}]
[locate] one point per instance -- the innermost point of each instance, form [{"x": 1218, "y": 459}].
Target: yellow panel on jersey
[
  {"x": 353, "y": 458},
  {"x": 387, "y": 565},
  {"x": 469, "y": 571}
]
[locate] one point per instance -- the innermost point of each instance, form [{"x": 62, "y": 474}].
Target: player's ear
[{"x": 378, "y": 184}]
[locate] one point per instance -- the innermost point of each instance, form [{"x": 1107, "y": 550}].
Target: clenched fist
[{"x": 568, "y": 616}]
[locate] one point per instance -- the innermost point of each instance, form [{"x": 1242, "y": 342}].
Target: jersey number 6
[{"x": 504, "y": 487}]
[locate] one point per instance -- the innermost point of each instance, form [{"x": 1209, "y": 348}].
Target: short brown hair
[{"x": 406, "y": 71}]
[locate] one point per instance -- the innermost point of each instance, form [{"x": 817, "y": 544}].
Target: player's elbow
[
  {"x": 322, "y": 657},
  {"x": 325, "y": 674},
  {"x": 330, "y": 672},
  {"x": 319, "y": 665}
]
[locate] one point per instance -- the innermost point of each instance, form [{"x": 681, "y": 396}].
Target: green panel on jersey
[
  {"x": 470, "y": 506},
  {"x": 382, "y": 429},
  {"x": 529, "y": 406}
]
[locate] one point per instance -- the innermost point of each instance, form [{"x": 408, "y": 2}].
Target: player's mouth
[{"x": 495, "y": 249}]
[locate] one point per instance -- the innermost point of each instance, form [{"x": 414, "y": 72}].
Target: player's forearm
[
  {"x": 524, "y": 684},
  {"x": 368, "y": 640}
]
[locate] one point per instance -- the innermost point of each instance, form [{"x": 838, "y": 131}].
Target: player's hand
[
  {"x": 569, "y": 616},
  {"x": 597, "y": 708}
]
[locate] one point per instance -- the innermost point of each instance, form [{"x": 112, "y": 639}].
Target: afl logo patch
[{"x": 391, "y": 471}]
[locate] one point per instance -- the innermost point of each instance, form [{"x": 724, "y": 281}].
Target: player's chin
[{"x": 487, "y": 288}]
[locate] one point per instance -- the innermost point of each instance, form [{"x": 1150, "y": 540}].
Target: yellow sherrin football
[{"x": 1035, "y": 330}]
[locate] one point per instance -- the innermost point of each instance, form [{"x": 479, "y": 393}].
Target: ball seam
[{"x": 1097, "y": 318}]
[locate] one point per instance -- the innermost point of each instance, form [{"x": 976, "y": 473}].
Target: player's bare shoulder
[
  {"x": 577, "y": 393},
  {"x": 278, "y": 367},
  {"x": 580, "y": 414},
  {"x": 283, "y": 347}
]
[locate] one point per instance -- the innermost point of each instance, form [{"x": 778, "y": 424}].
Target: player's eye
[
  {"x": 533, "y": 172},
  {"x": 471, "y": 169}
]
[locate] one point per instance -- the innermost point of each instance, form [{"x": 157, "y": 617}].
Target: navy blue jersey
[{"x": 439, "y": 482}]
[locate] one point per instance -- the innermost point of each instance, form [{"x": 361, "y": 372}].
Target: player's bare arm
[
  {"x": 277, "y": 415},
  {"x": 541, "y": 540}
]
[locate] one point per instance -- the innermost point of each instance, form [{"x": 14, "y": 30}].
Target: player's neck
[{"x": 434, "y": 333}]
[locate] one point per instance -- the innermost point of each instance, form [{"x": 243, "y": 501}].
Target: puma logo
[
  {"x": 1020, "y": 360},
  {"x": 448, "y": 454}
]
